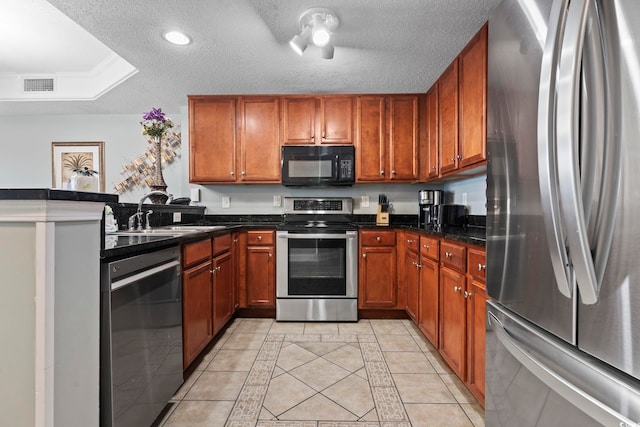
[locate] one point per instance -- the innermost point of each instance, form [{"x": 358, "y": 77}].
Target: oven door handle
[{"x": 317, "y": 236}]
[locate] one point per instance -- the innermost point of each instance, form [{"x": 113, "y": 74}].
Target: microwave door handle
[{"x": 547, "y": 164}]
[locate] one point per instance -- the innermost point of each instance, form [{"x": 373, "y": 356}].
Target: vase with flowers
[
  {"x": 84, "y": 179},
  {"x": 155, "y": 124}
]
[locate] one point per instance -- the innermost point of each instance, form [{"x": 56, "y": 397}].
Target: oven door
[{"x": 317, "y": 265}]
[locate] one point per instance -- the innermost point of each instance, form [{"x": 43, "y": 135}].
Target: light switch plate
[
  {"x": 177, "y": 216},
  {"x": 226, "y": 202},
  {"x": 277, "y": 200},
  {"x": 195, "y": 194},
  {"x": 364, "y": 201}
]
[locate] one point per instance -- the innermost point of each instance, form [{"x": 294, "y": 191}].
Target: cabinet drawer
[
  {"x": 377, "y": 238},
  {"x": 454, "y": 256},
  {"x": 260, "y": 237},
  {"x": 195, "y": 252},
  {"x": 413, "y": 242},
  {"x": 477, "y": 260},
  {"x": 430, "y": 247},
  {"x": 221, "y": 244}
]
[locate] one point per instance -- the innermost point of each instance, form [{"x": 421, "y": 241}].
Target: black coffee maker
[{"x": 430, "y": 209}]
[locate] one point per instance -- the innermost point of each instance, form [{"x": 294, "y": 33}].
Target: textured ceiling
[{"x": 241, "y": 47}]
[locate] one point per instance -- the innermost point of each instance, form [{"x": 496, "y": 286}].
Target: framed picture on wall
[{"x": 67, "y": 156}]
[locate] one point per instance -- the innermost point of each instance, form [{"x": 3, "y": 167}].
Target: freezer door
[
  {"x": 520, "y": 264},
  {"x": 534, "y": 379},
  {"x": 610, "y": 329}
]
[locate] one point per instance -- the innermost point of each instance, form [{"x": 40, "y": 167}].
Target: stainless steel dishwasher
[{"x": 141, "y": 341}]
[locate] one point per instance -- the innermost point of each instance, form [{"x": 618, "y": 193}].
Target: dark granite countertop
[{"x": 54, "y": 194}]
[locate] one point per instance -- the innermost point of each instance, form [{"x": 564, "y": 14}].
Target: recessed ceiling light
[{"x": 176, "y": 37}]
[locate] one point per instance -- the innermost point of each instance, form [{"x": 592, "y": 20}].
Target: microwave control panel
[{"x": 346, "y": 168}]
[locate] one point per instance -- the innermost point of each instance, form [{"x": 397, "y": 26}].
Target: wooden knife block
[{"x": 382, "y": 219}]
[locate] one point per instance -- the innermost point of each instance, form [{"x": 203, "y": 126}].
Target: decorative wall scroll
[{"x": 139, "y": 171}]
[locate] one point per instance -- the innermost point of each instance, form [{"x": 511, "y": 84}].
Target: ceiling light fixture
[
  {"x": 316, "y": 26},
  {"x": 176, "y": 37}
]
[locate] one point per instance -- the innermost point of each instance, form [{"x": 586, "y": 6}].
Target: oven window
[
  {"x": 310, "y": 168},
  {"x": 317, "y": 267}
]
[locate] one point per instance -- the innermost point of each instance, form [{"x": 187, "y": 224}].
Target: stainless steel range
[{"x": 317, "y": 253}]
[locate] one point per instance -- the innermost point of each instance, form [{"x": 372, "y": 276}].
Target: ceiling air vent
[{"x": 38, "y": 85}]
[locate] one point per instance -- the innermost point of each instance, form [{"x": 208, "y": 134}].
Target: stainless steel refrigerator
[{"x": 563, "y": 200}]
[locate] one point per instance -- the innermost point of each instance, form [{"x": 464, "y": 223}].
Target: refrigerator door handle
[
  {"x": 572, "y": 207},
  {"x": 590, "y": 405},
  {"x": 547, "y": 164}
]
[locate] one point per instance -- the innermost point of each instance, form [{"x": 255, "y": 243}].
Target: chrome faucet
[{"x": 152, "y": 193}]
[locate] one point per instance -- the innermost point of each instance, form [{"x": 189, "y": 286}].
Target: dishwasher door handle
[{"x": 145, "y": 273}]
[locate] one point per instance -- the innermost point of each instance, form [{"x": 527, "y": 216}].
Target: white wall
[{"x": 27, "y": 164}]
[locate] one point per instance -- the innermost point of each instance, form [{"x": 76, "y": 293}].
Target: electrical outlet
[
  {"x": 464, "y": 198},
  {"x": 226, "y": 202},
  {"x": 364, "y": 201},
  {"x": 177, "y": 216},
  {"x": 277, "y": 200}
]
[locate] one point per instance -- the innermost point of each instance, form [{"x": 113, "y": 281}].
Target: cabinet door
[
  {"x": 222, "y": 290},
  {"x": 412, "y": 281},
  {"x": 377, "y": 277},
  {"x": 336, "y": 120},
  {"x": 432, "y": 133},
  {"x": 370, "y": 140},
  {"x": 476, "y": 336},
  {"x": 429, "y": 300},
  {"x": 298, "y": 121},
  {"x": 403, "y": 138},
  {"x": 473, "y": 100},
  {"x": 259, "y": 148},
  {"x": 197, "y": 328},
  {"x": 453, "y": 320},
  {"x": 261, "y": 291},
  {"x": 448, "y": 118},
  {"x": 212, "y": 139}
]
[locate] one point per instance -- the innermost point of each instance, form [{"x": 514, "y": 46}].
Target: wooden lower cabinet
[
  {"x": 453, "y": 319},
  {"x": 377, "y": 273},
  {"x": 260, "y": 269},
  {"x": 223, "y": 295},
  {"x": 412, "y": 282},
  {"x": 476, "y": 337},
  {"x": 197, "y": 300},
  {"x": 428, "y": 316}
]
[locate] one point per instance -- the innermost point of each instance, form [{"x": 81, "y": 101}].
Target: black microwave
[{"x": 318, "y": 165}]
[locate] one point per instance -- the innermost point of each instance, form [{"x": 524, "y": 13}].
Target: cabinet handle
[
  {"x": 382, "y": 172},
  {"x": 231, "y": 173},
  {"x": 242, "y": 173},
  {"x": 453, "y": 159},
  {"x": 418, "y": 265},
  {"x": 212, "y": 271},
  {"x": 459, "y": 156},
  {"x": 235, "y": 240},
  {"x": 457, "y": 289},
  {"x": 448, "y": 255},
  {"x": 409, "y": 241},
  {"x": 378, "y": 238},
  {"x": 218, "y": 268},
  {"x": 259, "y": 238},
  {"x": 481, "y": 267},
  {"x": 393, "y": 172},
  {"x": 364, "y": 255},
  {"x": 270, "y": 255},
  {"x": 467, "y": 294},
  {"x": 433, "y": 167},
  {"x": 425, "y": 246}
]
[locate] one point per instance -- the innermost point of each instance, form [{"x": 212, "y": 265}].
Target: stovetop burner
[{"x": 317, "y": 215}]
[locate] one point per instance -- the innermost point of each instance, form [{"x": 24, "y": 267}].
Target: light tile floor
[{"x": 263, "y": 373}]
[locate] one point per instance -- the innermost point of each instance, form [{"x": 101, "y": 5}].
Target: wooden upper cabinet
[
  {"x": 298, "y": 121},
  {"x": 212, "y": 139},
  {"x": 432, "y": 165},
  {"x": 403, "y": 138},
  {"x": 317, "y": 120},
  {"x": 371, "y": 138},
  {"x": 387, "y": 143},
  {"x": 259, "y": 148},
  {"x": 448, "y": 118},
  {"x": 336, "y": 120},
  {"x": 473, "y": 100}
]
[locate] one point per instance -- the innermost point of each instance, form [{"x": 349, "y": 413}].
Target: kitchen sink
[{"x": 193, "y": 227}]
